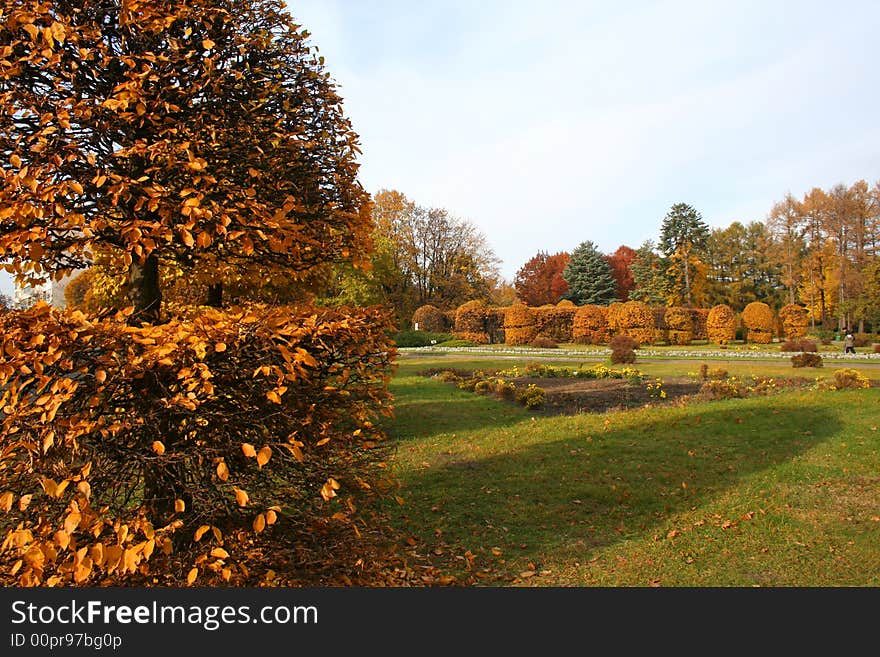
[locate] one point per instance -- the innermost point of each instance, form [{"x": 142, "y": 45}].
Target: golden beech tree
[
  {"x": 180, "y": 147},
  {"x": 201, "y": 130}
]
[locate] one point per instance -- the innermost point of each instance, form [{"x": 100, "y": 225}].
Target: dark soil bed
[{"x": 571, "y": 396}]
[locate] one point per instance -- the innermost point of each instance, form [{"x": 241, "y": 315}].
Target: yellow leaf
[
  {"x": 219, "y": 553},
  {"x": 272, "y": 396},
  {"x": 191, "y": 576},
  {"x": 207, "y": 44},
  {"x": 241, "y": 497},
  {"x": 179, "y": 506},
  {"x": 248, "y": 450},
  {"x": 158, "y": 447},
  {"x": 222, "y": 471},
  {"x": 72, "y": 522},
  {"x": 6, "y": 501},
  {"x": 263, "y": 456},
  {"x": 15, "y": 160},
  {"x": 201, "y": 532},
  {"x": 328, "y": 490},
  {"x": 259, "y": 523}
]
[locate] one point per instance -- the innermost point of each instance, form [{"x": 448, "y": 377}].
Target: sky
[{"x": 549, "y": 123}]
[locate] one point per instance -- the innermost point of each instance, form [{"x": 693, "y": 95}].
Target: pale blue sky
[{"x": 550, "y": 123}]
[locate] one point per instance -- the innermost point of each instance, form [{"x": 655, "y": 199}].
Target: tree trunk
[
  {"x": 215, "y": 295},
  {"x": 143, "y": 290}
]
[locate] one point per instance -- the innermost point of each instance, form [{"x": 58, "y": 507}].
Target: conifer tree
[{"x": 589, "y": 277}]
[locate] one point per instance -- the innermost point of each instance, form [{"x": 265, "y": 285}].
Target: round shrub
[
  {"x": 679, "y": 325},
  {"x": 470, "y": 322},
  {"x": 520, "y": 327},
  {"x": 806, "y": 359},
  {"x": 590, "y": 325},
  {"x": 431, "y": 319},
  {"x": 850, "y": 379},
  {"x": 623, "y": 341},
  {"x": 623, "y": 356},
  {"x": 613, "y": 316},
  {"x": 758, "y": 318},
  {"x": 799, "y": 345},
  {"x": 566, "y": 303},
  {"x": 531, "y": 397},
  {"x": 794, "y": 320},
  {"x": 637, "y": 320},
  {"x": 721, "y": 324}
]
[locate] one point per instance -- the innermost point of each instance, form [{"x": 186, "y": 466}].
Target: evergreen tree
[
  {"x": 652, "y": 285},
  {"x": 683, "y": 237},
  {"x": 589, "y": 277}
]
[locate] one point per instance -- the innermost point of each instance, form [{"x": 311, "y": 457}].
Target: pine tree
[
  {"x": 589, "y": 277},
  {"x": 652, "y": 284},
  {"x": 683, "y": 236}
]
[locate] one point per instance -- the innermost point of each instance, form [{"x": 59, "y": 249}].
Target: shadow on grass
[
  {"x": 425, "y": 407},
  {"x": 557, "y": 493}
]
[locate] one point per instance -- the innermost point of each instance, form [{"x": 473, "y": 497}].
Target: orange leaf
[
  {"x": 248, "y": 450},
  {"x": 158, "y": 447},
  {"x": 271, "y": 517},
  {"x": 191, "y": 576},
  {"x": 179, "y": 506},
  {"x": 222, "y": 471},
  {"x": 241, "y": 497},
  {"x": 219, "y": 553},
  {"x": 259, "y": 523},
  {"x": 201, "y": 532},
  {"x": 263, "y": 456}
]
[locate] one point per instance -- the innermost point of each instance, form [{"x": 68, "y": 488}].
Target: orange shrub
[
  {"x": 470, "y": 322},
  {"x": 758, "y": 318},
  {"x": 700, "y": 319},
  {"x": 590, "y": 325},
  {"x": 721, "y": 324},
  {"x": 520, "y": 326},
  {"x": 613, "y": 316},
  {"x": 431, "y": 319},
  {"x": 679, "y": 325},
  {"x": 555, "y": 322},
  {"x": 495, "y": 324},
  {"x": 636, "y": 320},
  {"x": 128, "y": 453},
  {"x": 794, "y": 319}
]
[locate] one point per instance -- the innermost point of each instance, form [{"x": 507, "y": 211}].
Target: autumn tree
[
  {"x": 683, "y": 235},
  {"x": 620, "y": 262},
  {"x": 589, "y": 276},
  {"x": 540, "y": 281},
  {"x": 205, "y": 140}
]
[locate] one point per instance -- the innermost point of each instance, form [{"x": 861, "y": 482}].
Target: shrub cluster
[
  {"x": 544, "y": 343},
  {"x": 699, "y": 322},
  {"x": 590, "y": 325},
  {"x": 531, "y": 396},
  {"x": 862, "y": 339},
  {"x": 849, "y": 379}
]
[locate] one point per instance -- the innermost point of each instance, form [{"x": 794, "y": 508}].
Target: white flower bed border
[{"x": 604, "y": 352}]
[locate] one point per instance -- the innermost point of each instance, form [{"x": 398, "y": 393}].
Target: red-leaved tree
[{"x": 540, "y": 281}]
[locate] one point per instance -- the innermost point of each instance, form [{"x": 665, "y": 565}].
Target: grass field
[{"x": 781, "y": 490}]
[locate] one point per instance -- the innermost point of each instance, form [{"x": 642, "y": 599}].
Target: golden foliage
[
  {"x": 164, "y": 437},
  {"x": 721, "y": 324},
  {"x": 590, "y": 325},
  {"x": 679, "y": 325},
  {"x": 758, "y": 318},
  {"x": 555, "y": 322},
  {"x": 795, "y": 319},
  {"x": 635, "y": 319},
  {"x": 470, "y": 322},
  {"x": 430, "y": 318},
  {"x": 520, "y": 325}
]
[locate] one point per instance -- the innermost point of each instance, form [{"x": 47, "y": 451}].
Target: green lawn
[{"x": 772, "y": 491}]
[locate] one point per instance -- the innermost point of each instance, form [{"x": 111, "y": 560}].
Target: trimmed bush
[
  {"x": 623, "y": 341},
  {"x": 470, "y": 318},
  {"x": 806, "y": 359},
  {"x": 555, "y": 322},
  {"x": 544, "y": 343},
  {"x": 877, "y": 348},
  {"x": 679, "y": 325},
  {"x": 799, "y": 345},
  {"x": 590, "y": 325},
  {"x": 862, "y": 339},
  {"x": 520, "y": 327},
  {"x": 431, "y": 319},
  {"x": 758, "y": 318},
  {"x": 699, "y": 322},
  {"x": 623, "y": 356},
  {"x": 636, "y": 320},
  {"x": 721, "y": 324},
  {"x": 613, "y": 317},
  {"x": 794, "y": 319}
]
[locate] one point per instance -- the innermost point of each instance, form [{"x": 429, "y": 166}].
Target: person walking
[{"x": 849, "y": 343}]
